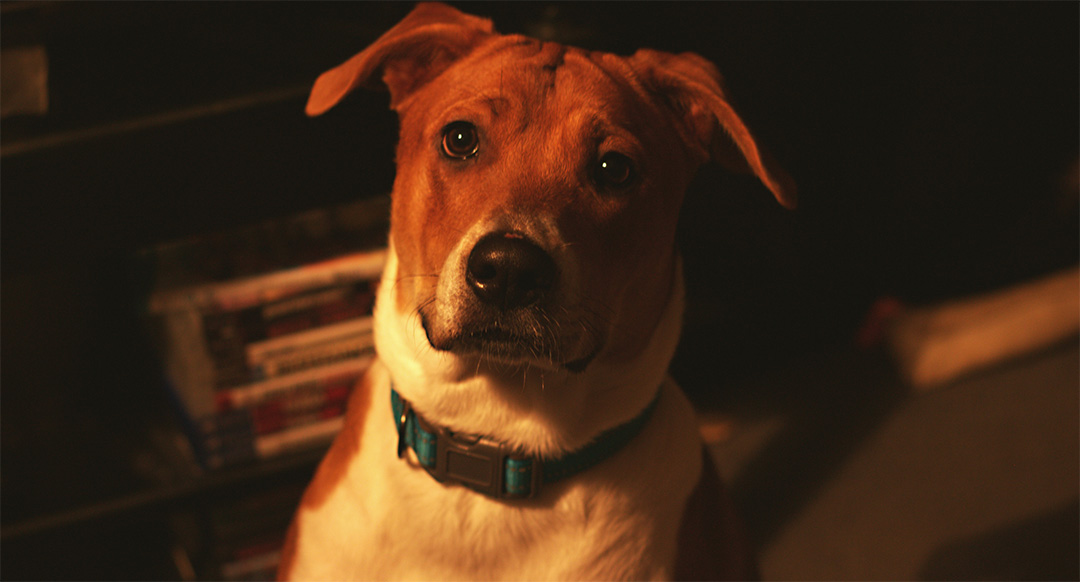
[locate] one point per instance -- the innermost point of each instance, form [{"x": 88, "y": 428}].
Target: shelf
[
  {"x": 97, "y": 79},
  {"x": 126, "y": 191}
]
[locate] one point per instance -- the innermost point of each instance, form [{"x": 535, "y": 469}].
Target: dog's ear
[
  {"x": 408, "y": 55},
  {"x": 693, "y": 87}
]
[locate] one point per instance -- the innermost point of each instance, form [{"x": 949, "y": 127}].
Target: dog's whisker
[{"x": 561, "y": 200}]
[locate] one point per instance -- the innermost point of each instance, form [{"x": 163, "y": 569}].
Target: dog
[{"x": 519, "y": 422}]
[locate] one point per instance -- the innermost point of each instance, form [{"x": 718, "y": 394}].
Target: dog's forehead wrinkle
[
  {"x": 602, "y": 102},
  {"x": 583, "y": 347},
  {"x": 550, "y": 72},
  {"x": 538, "y": 84},
  {"x": 545, "y": 54},
  {"x": 494, "y": 103},
  {"x": 471, "y": 100}
]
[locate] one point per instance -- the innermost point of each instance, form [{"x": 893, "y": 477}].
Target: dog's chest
[{"x": 388, "y": 520}]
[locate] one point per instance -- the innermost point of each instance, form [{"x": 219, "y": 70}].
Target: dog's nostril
[
  {"x": 485, "y": 271},
  {"x": 506, "y": 270}
]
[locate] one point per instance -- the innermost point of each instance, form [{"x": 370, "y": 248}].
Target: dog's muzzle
[{"x": 510, "y": 309}]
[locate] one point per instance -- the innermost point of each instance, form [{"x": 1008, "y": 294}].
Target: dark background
[{"x": 932, "y": 144}]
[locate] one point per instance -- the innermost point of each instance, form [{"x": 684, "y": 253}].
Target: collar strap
[{"x": 491, "y": 467}]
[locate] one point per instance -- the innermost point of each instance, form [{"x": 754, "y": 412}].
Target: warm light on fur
[{"x": 606, "y": 329}]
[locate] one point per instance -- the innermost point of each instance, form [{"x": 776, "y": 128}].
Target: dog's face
[
  {"x": 535, "y": 205},
  {"x": 538, "y": 186}
]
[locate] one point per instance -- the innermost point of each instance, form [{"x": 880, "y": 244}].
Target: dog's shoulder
[
  {"x": 348, "y": 442},
  {"x": 335, "y": 465}
]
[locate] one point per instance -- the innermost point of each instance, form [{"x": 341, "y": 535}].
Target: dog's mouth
[
  {"x": 514, "y": 343},
  {"x": 508, "y": 306}
]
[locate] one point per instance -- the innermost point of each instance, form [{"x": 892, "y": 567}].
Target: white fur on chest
[{"x": 389, "y": 519}]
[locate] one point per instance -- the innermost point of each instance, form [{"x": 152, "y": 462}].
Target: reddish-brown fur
[
  {"x": 667, "y": 111},
  {"x": 288, "y": 552},
  {"x": 440, "y": 64},
  {"x": 626, "y": 245}
]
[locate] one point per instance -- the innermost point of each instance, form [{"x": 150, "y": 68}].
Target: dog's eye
[
  {"x": 460, "y": 140},
  {"x": 614, "y": 170}
]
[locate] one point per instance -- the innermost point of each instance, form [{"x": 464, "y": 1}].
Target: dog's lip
[
  {"x": 494, "y": 341},
  {"x": 499, "y": 343},
  {"x": 495, "y": 334}
]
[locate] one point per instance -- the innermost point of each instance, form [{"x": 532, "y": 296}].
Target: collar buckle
[
  {"x": 482, "y": 464},
  {"x": 492, "y": 468}
]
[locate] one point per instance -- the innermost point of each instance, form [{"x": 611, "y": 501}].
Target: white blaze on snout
[{"x": 453, "y": 292}]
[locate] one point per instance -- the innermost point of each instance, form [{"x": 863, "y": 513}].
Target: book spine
[
  {"x": 317, "y": 347},
  {"x": 237, "y": 449},
  {"x": 228, "y": 335},
  {"x": 253, "y": 394},
  {"x": 304, "y": 358},
  {"x": 222, "y": 432},
  {"x": 304, "y": 436},
  {"x": 300, "y": 408},
  {"x": 259, "y": 567},
  {"x": 270, "y": 287},
  {"x": 280, "y": 421}
]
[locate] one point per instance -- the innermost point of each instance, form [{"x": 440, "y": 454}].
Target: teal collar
[{"x": 491, "y": 467}]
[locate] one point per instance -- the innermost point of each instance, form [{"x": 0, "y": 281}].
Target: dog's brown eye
[
  {"x": 460, "y": 140},
  {"x": 614, "y": 170}
]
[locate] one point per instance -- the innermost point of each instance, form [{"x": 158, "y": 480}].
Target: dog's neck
[
  {"x": 544, "y": 412},
  {"x": 492, "y": 468}
]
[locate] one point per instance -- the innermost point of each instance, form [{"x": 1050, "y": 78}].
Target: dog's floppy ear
[
  {"x": 408, "y": 55},
  {"x": 694, "y": 88}
]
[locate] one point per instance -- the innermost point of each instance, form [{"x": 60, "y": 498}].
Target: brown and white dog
[{"x": 532, "y": 296}]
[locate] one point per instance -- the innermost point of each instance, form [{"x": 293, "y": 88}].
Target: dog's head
[{"x": 538, "y": 189}]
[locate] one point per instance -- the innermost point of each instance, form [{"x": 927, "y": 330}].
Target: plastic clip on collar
[{"x": 489, "y": 466}]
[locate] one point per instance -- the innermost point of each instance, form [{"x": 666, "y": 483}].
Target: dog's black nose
[{"x": 507, "y": 270}]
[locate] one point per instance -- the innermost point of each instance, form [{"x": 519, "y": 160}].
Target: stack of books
[{"x": 264, "y": 331}]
